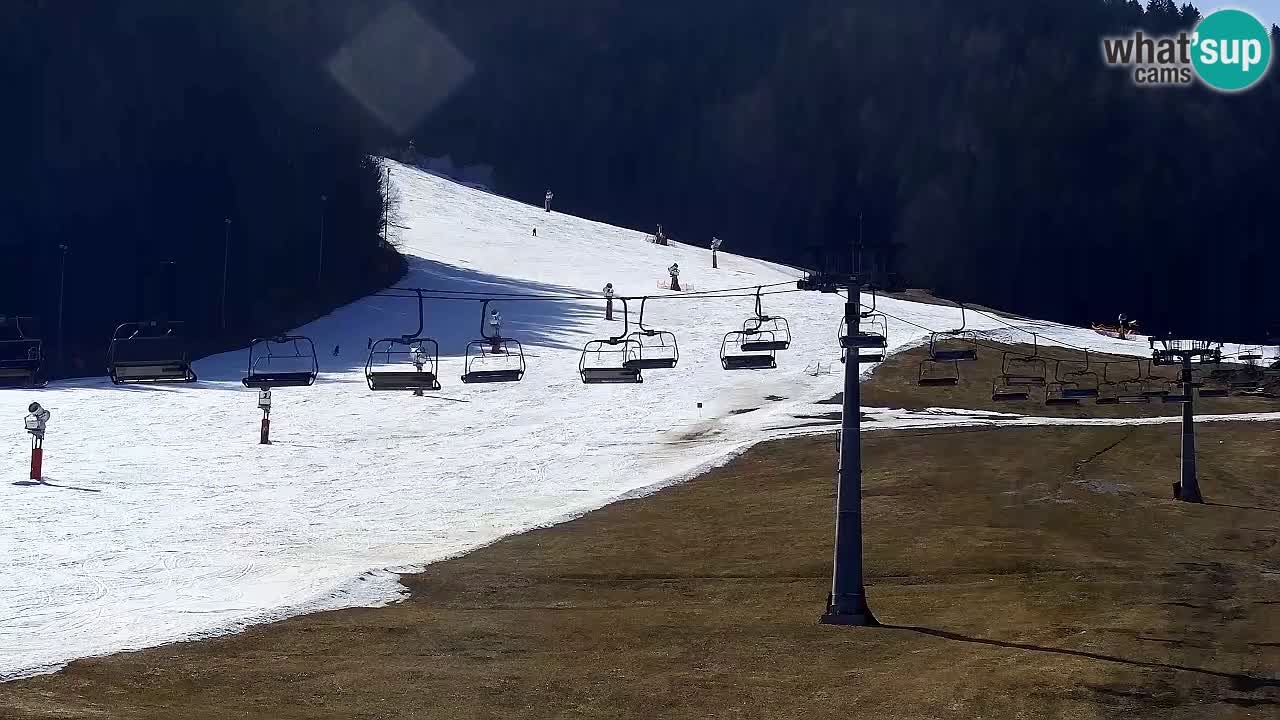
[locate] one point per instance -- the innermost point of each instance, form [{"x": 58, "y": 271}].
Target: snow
[{"x": 164, "y": 520}]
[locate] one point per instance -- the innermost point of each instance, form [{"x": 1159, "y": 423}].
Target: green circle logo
[{"x": 1232, "y": 50}]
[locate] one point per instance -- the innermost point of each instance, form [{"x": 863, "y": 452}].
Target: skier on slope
[
  {"x": 675, "y": 276},
  {"x": 495, "y": 330},
  {"x": 546, "y": 201},
  {"x": 608, "y": 301}
]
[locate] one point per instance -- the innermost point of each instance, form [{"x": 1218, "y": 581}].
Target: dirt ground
[{"x": 1019, "y": 573}]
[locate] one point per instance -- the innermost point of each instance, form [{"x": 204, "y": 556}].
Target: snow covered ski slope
[{"x": 163, "y": 519}]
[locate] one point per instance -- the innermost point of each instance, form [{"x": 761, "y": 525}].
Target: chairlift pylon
[
  {"x": 492, "y": 358},
  {"x": 652, "y": 349},
  {"x": 604, "y": 360},
  {"x": 408, "y": 362},
  {"x": 282, "y": 361},
  {"x": 21, "y": 357},
  {"x": 152, "y": 351}
]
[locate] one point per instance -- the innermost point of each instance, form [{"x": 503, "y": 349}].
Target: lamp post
[
  {"x": 226, "y": 256},
  {"x": 320, "y": 266},
  {"x": 62, "y": 286}
]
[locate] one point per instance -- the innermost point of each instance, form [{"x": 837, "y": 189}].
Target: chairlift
[
  {"x": 1248, "y": 379},
  {"x": 282, "y": 361},
  {"x": 1108, "y": 389},
  {"x": 1021, "y": 369},
  {"x": 1251, "y": 355},
  {"x": 959, "y": 345},
  {"x": 1057, "y": 393},
  {"x": 938, "y": 373},
  {"x": 760, "y": 333},
  {"x": 652, "y": 349},
  {"x": 872, "y": 331},
  {"x": 1005, "y": 389},
  {"x": 408, "y": 362},
  {"x": 741, "y": 351},
  {"x": 153, "y": 351},
  {"x": 493, "y": 358},
  {"x": 1082, "y": 383},
  {"x": 1131, "y": 391},
  {"x": 1218, "y": 385},
  {"x": 604, "y": 361},
  {"x": 1156, "y": 387},
  {"x": 21, "y": 357}
]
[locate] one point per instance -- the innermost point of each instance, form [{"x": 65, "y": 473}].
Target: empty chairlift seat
[
  {"x": 745, "y": 350},
  {"x": 653, "y": 350},
  {"x": 871, "y": 341},
  {"x": 766, "y": 333},
  {"x": 403, "y": 363},
  {"x": 149, "y": 352},
  {"x": 282, "y": 361},
  {"x": 1003, "y": 389},
  {"x": 21, "y": 357},
  {"x": 938, "y": 373},
  {"x": 604, "y": 361}
]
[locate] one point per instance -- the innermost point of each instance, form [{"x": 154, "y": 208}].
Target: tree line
[
  {"x": 148, "y": 145},
  {"x": 989, "y": 152}
]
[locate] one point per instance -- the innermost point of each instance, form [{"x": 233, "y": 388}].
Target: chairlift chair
[
  {"x": 1131, "y": 391},
  {"x": 1249, "y": 379},
  {"x": 21, "y": 357},
  {"x": 1082, "y": 383},
  {"x": 604, "y": 361},
  {"x": 938, "y": 373},
  {"x": 959, "y": 345},
  {"x": 493, "y": 358},
  {"x": 149, "y": 352},
  {"x": 873, "y": 333},
  {"x": 1005, "y": 389},
  {"x": 1108, "y": 389},
  {"x": 282, "y": 361},
  {"x": 1217, "y": 387},
  {"x": 742, "y": 351},
  {"x": 652, "y": 349},
  {"x": 408, "y": 362},
  {"x": 871, "y": 343},
  {"x": 762, "y": 332},
  {"x": 1156, "y": 387},
  {"x": 1021, "y": 369},
  {"x": 1056, "y": 393}
]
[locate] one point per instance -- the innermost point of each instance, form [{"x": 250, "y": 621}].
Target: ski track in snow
[{"x": 163, "y": 520}]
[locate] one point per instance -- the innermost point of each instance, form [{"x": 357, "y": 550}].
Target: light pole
[
  {"x": 62, "y": 286},
  {"x": 320, "y": 265},
  {"x": 386, "y": 207},
  {"x": 226, "y": 256}
]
